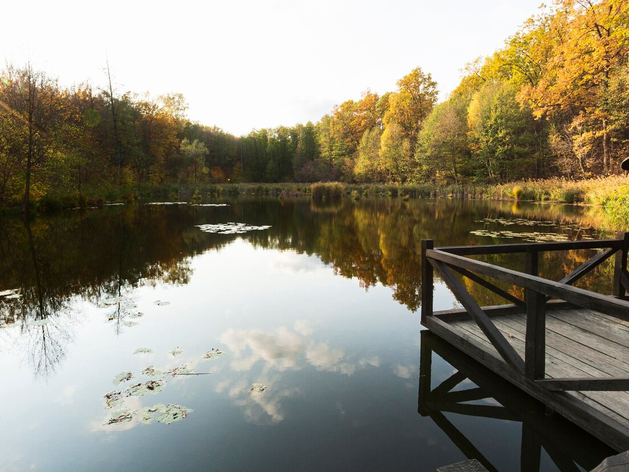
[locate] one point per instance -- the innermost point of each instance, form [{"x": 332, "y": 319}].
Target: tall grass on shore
[{"x": 327, "y": 190}]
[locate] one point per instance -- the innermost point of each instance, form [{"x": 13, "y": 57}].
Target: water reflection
[
  {"x": 473, "y": 391},
  {"x": 97, "y": 256}
]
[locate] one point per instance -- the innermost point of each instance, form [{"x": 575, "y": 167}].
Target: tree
[
  {"x": 194, "y": 153},
  {"x": 411, "y": 104},
  {"x": 32, "y": 107},
  {"x": 501, "y": 133},
  {"x": 442, "y": 148}
]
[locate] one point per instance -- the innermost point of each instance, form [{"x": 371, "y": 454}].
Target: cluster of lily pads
[
  {"x": 191, "y": 204},
  {"x": 230, "y": 228},
  {"x": 125, "y": 310},
  {"x": 159, "y": 413},
  {"x": 529, "y": 237},
  {"x": 12, "y": 294}
]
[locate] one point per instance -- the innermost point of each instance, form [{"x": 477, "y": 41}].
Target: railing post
[
  {"x": 532, "y": 262},
  {"x": 621, "y": 265},
  {"x": 535, "y": 344},
  {"x": 427, "y": 281}
]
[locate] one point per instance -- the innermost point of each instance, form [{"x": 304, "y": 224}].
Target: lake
[{"x": 261, "y": 334}]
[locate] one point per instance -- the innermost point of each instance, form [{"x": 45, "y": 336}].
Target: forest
[{"x": 553, "y": 102}]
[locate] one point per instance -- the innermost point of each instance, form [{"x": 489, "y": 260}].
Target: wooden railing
[{"x": 537, "y": 292}]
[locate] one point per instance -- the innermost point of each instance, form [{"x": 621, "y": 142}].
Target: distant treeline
[{"x": 554, "y": 102}]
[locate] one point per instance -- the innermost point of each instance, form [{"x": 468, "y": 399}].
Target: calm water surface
[{"x": 302, "y": 324}]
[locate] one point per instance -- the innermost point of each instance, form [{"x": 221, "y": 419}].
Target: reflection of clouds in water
[
  {"x": 263, "y": 408},
  {"x": 283, "y": 349},
  {"x": 291, "y": 263},
  {"x": 405, "y": 371},
  {"x": 279, "y": 350},
  {"x": 304, "y": 327}
]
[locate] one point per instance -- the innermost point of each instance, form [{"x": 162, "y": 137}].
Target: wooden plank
[
  {"x": 535, "y": 247},
  {"x": 593, "y": 418},
  {"x": 577, "y": 296},
  {"x": 567, "y": 351},
  {"x": 489, "y": 286},
  {"x": 497, "y": 339},
  {"x": 610, "y": 384},
  {"x": 583, "y": 269},
  {"x": 605, "y": 327},
  {"x": 561, "y": 365},
  {"x": 427, "y": 281}
]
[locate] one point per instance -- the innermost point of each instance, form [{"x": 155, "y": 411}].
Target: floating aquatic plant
[
  {"x": 176, "y": 352},
  {"x": 120, "y": 417},
  {"x": 257, "y": 388},
  {"x": 122, "y": 377},
  {"x": 166, "y": 414},
  {"x": 213, "y": 354},
  {"x": 167, "y": 203},
  {"x": 529, "y": 237},
  {"x": 230, "y": 228},
  {"x": 150, "y": 371},
  {"x": 143, "y": 350}
]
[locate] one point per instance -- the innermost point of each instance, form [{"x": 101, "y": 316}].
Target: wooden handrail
[
  {"x": 532, "y": 247},
  {"x": 575, "y": 295}
]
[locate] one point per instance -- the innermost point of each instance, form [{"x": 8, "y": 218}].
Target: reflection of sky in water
[
  {"x": 333, "y": 367},
  {"x": 314, "y": 340}
]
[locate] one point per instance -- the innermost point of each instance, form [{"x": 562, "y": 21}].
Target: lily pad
[
  {"x": 257, "y": 389},
  {"x": 181, "y": 370},
  {"x": 150, "y": 371},
  {"x": 120, "y": 417},
  {"x": 166, "y": 414},
  {"x": 122, "y": 377},
  {"x": 114, "y": 399},
  {"x": 143, "y": 350},
  {"x": 213, "y": 354},
  {"x": 176, "y": 352},
  {"x": 43, "y": 322},
  {"x": 141, "y": 389}
]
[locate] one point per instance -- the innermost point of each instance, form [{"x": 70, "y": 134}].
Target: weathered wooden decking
[{"x": 572, "y": 353}]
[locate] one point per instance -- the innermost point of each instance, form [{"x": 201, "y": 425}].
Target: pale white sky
[{"x": 244, "y": 64}]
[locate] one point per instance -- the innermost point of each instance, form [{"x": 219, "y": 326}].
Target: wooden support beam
[
  {"x": 488, "y": 285},
  {"x": 496, "y": 338},
  {"x": 610, "y": 384},
  {"x": 588, "y": 266},
  {"x": 535, "y": 341},
  {"x": 621, "y": 286},
  {"x": 427, "y": 281}
]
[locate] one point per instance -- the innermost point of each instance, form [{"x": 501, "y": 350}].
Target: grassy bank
[{"x": 608, "y": 197}]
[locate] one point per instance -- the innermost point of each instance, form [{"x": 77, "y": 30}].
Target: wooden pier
[{"x": 565, "y": 346}]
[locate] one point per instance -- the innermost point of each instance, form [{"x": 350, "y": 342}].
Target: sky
[{"x": 252, "y": 64}]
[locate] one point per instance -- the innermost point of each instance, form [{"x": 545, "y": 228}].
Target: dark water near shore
[{"x": 302, "y": 323}]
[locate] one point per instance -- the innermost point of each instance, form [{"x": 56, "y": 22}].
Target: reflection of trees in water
[
  {"x": 104, "y": 254},
  {"x": 93, "y": 256}
]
